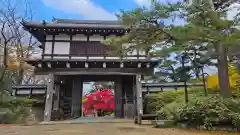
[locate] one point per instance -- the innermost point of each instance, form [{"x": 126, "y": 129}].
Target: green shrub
[
  {"x": 16, "y": 109},
  {"x": 200, "y": 110},
  {"x": 209, "y": 111},
  {"x": 168, "y": 112},
  {"x": 156, "y": 101}
]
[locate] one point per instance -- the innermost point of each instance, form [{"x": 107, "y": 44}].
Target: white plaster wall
[
  {"x": 79, "y": 37},
  {"x": 134, "y": 52},
  {"x": 110, "y": 36},
  {"x": 48, "y": 48},
  {"x": 142, "y": 52},
  {"x": 125, "y": 46},
  {"x": 61, "y": 47},
  {"x": 49, "y": 37},
  {"x": 62, "y": 37},
  {"x": 96, "y": 38}
]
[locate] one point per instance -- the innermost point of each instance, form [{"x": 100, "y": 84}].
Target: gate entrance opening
[
  {"x": 98, "y": 99},
  {"x": 69, "y": 95}
]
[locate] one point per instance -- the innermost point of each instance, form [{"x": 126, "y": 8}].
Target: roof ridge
[{"x": 73, "y": 21}]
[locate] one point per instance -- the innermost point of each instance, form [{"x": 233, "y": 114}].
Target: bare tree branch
[{"x": 17, "y": 43}]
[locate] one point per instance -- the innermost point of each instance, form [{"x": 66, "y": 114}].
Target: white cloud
[
  {"x": 143, "y": 2},
  {"x": 85, "y": 8},
  {"x": 233, "y": 10},
  {"x": 147, "y": 3}
]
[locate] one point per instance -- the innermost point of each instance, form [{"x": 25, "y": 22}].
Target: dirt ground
[{"x": 97, "y": 129}]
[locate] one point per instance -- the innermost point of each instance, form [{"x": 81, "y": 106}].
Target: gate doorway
[
  {"x": 98, "y": 99},
  {"x": 71, "y": 90}
]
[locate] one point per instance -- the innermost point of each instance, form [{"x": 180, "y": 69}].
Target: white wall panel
[
  {"x": 142, "y": 52},
  {"x": 61, "y": 48},
  {"x": 79, "y": 37},
  {"x": 48, "y": 48},
  {"x": 110, "y": 36},
  {"x": 132, "y": 52},
  {"x": 96, "y": 38},
  {"x": 49, "y": 37},
  {"x": 62, "y": 37}
]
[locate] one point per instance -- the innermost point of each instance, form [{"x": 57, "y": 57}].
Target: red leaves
[{"x": 99, "y": 100}]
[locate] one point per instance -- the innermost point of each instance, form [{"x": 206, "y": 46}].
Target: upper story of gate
[
  {"x": 79, "y": 39},
  {"x": 79, "y": 44}
]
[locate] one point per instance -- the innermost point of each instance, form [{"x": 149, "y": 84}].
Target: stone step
[{"x": 163, "y": 123}]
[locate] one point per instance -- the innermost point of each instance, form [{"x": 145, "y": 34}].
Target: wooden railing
[
  {"x": 90, "y": 56},
  {"x": 159, "y": 87},
  {"x": 31, "y": 90}
]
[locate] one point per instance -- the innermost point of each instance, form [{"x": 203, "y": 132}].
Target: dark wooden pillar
[
  {"x": 56, "y": 94},
  {"x": 128, "y": 89},
  {"x": 134, "y": 96},
  {"x": 49, "y": 97},
  {"x": 77, "y": 91},
  {"x": 139, "y": 97},
  {"x": 118, "y": 97}
]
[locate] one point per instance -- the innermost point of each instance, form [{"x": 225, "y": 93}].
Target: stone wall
[{"x": 36, "y": 115}]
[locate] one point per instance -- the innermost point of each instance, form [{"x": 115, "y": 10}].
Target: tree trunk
[
  {"x": 223, "y": 77},
  {"x": 2, "y": 84},
  {"x": 20, "y": 76}
]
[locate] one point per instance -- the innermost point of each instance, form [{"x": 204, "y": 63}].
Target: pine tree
[{"x": 203, "y": 27}]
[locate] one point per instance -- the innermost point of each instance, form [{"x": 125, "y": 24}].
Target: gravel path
[{"x": 96, "y": 129}]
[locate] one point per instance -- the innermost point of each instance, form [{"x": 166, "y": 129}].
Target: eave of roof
[{"x": 39, "y": 29}]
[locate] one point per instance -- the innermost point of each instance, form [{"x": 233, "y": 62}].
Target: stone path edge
[{"x": 82, "y": 122}]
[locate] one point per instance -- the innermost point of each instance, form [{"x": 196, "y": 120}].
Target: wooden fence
[{"x": 39, "y": 90}]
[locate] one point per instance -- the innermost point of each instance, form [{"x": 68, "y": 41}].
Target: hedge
[{"x": 199, "y": 111}]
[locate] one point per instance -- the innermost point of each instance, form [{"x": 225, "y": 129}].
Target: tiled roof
[
  {"x": 73, "y": 21},
  {"x": 69, "y": 23}
]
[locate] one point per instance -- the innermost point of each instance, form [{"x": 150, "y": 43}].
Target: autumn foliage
[
  {"x": 99, "y": 101},
  {"x": 212, "y": 81}
]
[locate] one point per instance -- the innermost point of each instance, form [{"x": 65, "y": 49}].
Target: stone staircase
[{"x": 66, "y": 108}]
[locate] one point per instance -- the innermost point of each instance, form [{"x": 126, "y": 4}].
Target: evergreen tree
[{"x": 204, "y": 27}]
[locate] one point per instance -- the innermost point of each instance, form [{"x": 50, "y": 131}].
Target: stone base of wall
[
  {"x": 219, "y": 128},
  {"x": 129, "y": 111},
  {"x": 36, "y": 115}
]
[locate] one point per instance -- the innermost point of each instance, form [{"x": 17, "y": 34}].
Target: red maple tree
[{"x": 100, "y": 100}]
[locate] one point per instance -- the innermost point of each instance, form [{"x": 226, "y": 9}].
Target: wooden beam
[
  {"x": 95, "y": 71},
  {"x": 43, "y": 47},
  {"x": 53, "y": 46},
  {"x": 88, "y": 37},
  {"x": 127, "y": 61},
  {"x": 49, "y": 97}
]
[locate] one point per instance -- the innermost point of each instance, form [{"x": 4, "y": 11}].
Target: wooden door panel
[{"x": 92, "y": 48}]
